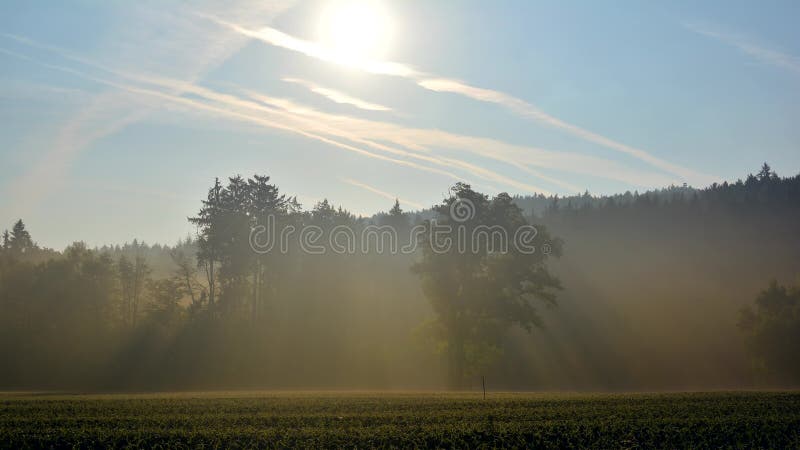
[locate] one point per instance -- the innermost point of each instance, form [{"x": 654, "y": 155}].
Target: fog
[{"x": 627, "y": 292}]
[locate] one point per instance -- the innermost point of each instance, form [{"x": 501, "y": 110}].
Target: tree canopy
[
  {"x": 479, "y": 289},
  {"x": 772, "y": 333}
]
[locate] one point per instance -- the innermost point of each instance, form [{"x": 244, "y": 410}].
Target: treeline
[
  {"x": 229, "y": 316},
  {"x": 765, "y": 188},
  {"x": 647, "y": 294},
  {"x": 655, "y": 285},
  {"x": 221, "y": 316}
]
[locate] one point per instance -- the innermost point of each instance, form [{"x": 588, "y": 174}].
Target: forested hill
[
  {"x": 653, "y": 286},
  {"x": 655, "y": 283},
  {"x": 764, "y": 189}
]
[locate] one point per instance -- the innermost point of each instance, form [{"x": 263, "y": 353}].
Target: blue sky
[{"x": 115, "y": 117}]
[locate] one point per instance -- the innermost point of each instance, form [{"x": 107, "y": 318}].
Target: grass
[{"x": 356, "y": 419}]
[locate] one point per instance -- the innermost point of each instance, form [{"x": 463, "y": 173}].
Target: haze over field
[{"x": 365, "y": 194}]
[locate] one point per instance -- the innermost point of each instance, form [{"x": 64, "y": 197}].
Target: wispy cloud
[
  {"x": 280, "y": 39},
  {"x": 336, "y": 96},
  {"x": 410, "y": 147},
  {"x": 529, "y": 111},
  {"x": 183, "y": 49},
  {"x": 227, "y": 106},
  {"x": 285, "y": 115},
  {"x": 383, "y": 194},
  {"x": 443, "y": 84},
  {"x": 103, "y": 115},
  {"x": 35, "y": 91},
  {"x": 524, "y": 158},
  {"x": 749, "y": 47}
]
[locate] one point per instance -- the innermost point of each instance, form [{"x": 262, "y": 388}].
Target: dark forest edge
[{"x": 649, "y": 284}]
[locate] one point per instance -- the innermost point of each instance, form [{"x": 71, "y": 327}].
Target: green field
[{"x": 368, "y": 419}]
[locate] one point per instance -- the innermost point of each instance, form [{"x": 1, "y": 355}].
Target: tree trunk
[
  {"x": 456, "y": 355},
  {"x": 256, "y": 291},
  {"x": 210, "y": 276}
]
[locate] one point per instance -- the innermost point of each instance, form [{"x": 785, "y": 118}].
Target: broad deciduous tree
[{"x": 477, "y": 285}]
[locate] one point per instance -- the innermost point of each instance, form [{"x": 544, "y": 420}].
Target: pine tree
[
  {"x": 396, "y": 210},
  {"x": 208, "y": 239},
  {"x": 766, "y": 173},
  {"x": 20, "y": 240}
]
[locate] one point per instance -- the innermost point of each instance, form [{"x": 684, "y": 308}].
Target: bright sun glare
[{"x": 356, "y": 30}]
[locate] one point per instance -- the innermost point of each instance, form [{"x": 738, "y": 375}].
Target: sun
[{"x": 356, "y": 30}]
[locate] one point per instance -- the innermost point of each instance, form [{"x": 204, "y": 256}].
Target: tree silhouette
[
  {"x": 135, "y": 315},
  {"x": 772, "y": 334},
  {"x": 478, "y": 293},
  {"x": 209, "y": 240},
  {"x": 236, "y": 275},
  {"x": 165, "y": 294},
  {"x": 186, "y": 272},
  {"x": 20, "y": 241},
  {"x": 396, "y": 211},
  {"x": 766, "y": 173}
]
